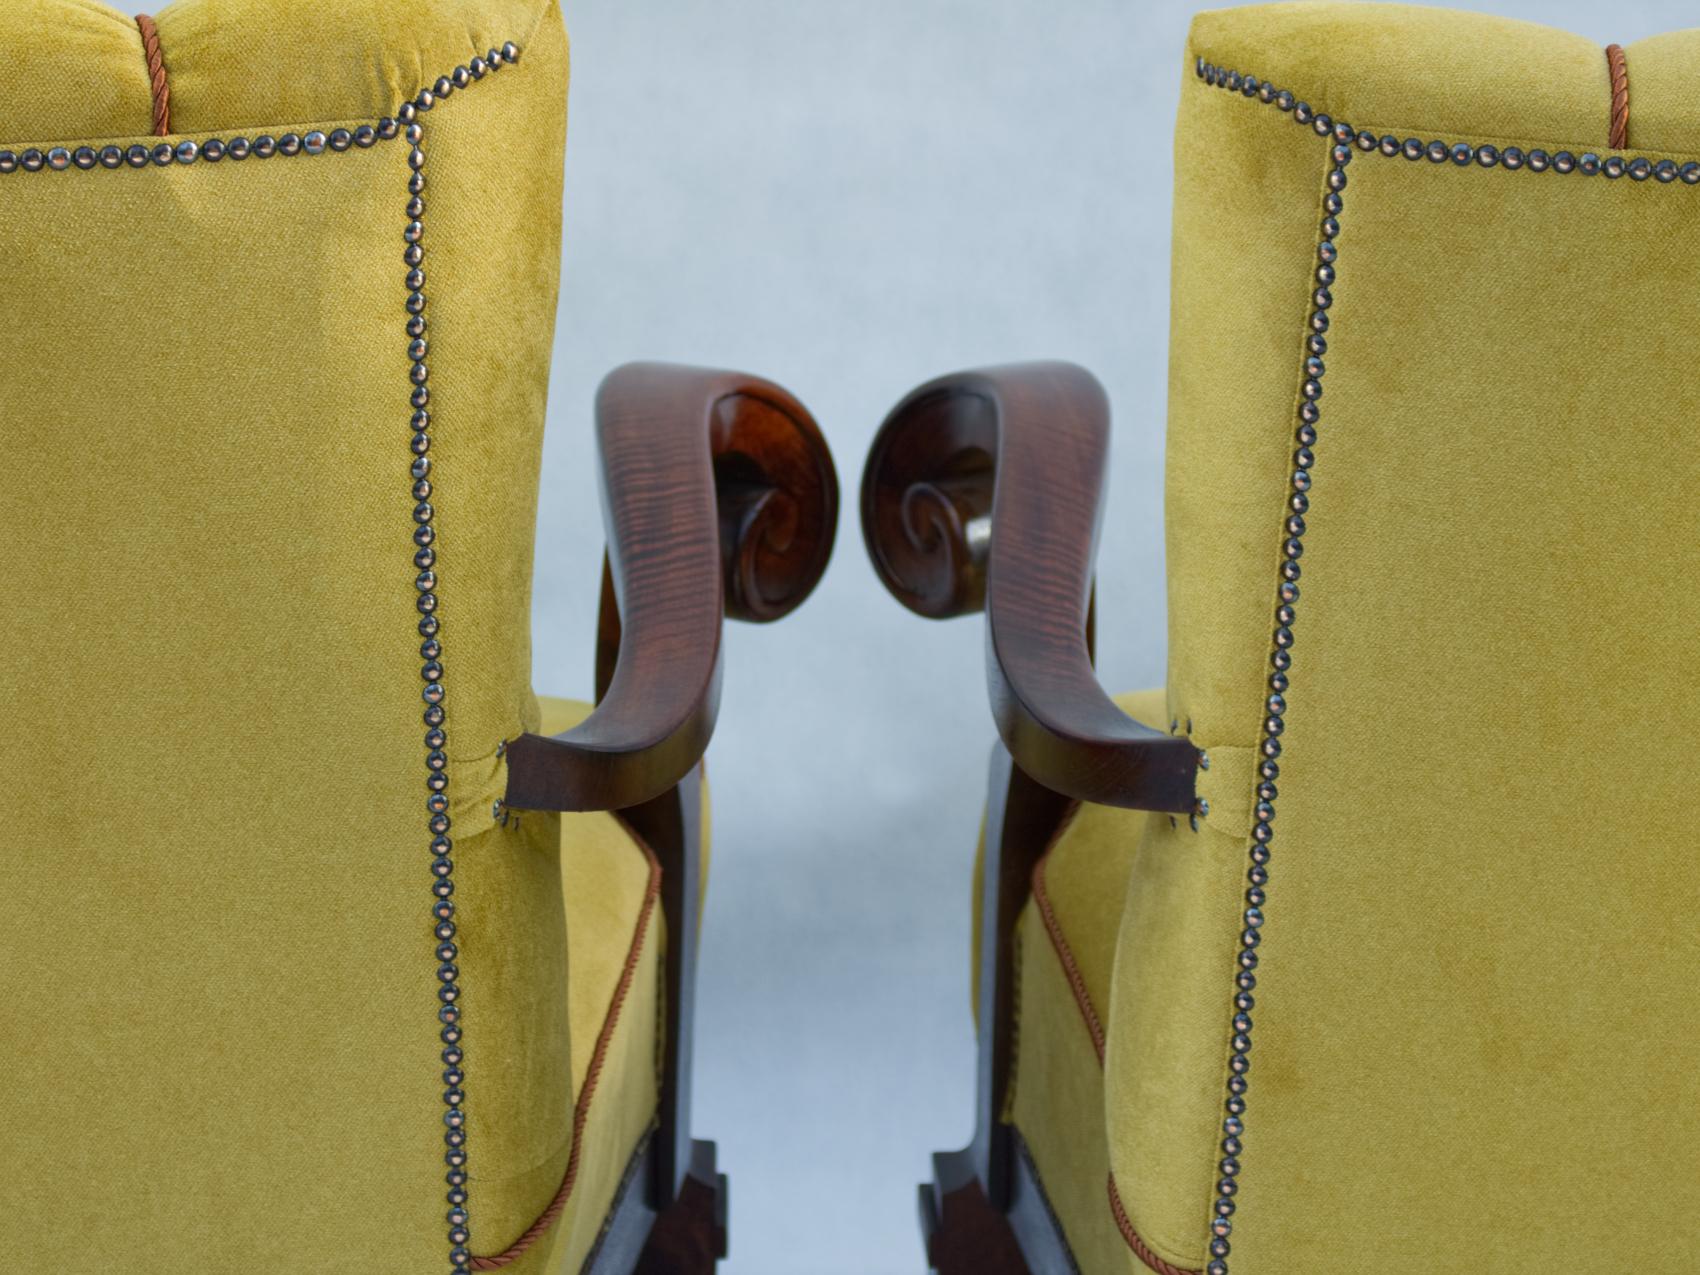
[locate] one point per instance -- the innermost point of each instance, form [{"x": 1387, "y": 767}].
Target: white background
[{"x": 849, "y": 198}]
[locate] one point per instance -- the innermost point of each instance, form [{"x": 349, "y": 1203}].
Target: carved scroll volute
[
  {"x": 927, "y": 503},
  {"x": 778, "y": 500},
  {"x": 721, "y": 500},
  {"x": 1036, "y": 437}
]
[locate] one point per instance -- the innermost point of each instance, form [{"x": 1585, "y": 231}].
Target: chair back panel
[
  {"x": 223, "y": 1038},
  {"x": 1459, "y": 913}
]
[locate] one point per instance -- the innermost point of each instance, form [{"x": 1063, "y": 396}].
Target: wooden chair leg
[
  {"x": 965, "y": 1210},
  {"x": 672, "y": 826},
  {"x": 964, "y": 1234},
  {"x": 686, "y": 1189},
  {"x": 690, "y": 1235}
]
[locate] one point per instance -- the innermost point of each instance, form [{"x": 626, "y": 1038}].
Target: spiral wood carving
[
  {"x": 927, "y": 502},
  {"x": 982, "y": 492},
  {"x": 777, "y": 492},
  {"x": 722, "y": 500}
]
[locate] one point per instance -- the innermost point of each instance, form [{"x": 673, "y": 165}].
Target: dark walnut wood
[
  {"x": 721, "y": 499},
  {"x": 671, "y": 825},
  {"x": 686, "y": 1238},
  {"x": 965, "y": 1235},
  {"x": 984, "y": 1211},
  {"x": 983, "y": 491}
]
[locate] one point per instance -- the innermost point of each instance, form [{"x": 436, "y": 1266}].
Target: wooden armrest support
[
  {"x": 983, "y": 491},
  {"x": 721, "y": 499}
]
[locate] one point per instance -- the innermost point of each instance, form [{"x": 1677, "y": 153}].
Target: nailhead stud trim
[
  {"x": 1275, "y": 705},
  {"x": 1342, "y": 138},
  {"x": 433, "y": 693},
  {"x": 1462, "y": 154},
  {"x": 1344, "y": 142},
  {"x": 425, "y": 582},
  {"x": 212, "y": 150},
  {"x": 405, "y": 124}
]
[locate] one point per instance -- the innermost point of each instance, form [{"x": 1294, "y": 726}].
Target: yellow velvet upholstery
[
  {"x": 1470, "y": 1047},
  {"x": 222, "y": 1046},
  {"x": 606, "y": 878},
  {"x": 1065, "y": 956}
]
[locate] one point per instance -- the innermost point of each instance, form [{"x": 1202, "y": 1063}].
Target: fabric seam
[
  {"x": 1061, "y": 945},
  {"x": 159, "y": 84},
  {"x": 1140, "y": 1249},
  {"x": 604, "y": 1039},
  {"x": 1095, "y": 1029}
]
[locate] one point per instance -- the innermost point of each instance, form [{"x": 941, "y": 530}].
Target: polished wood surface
[
  {"x": 721, "y": 499},
  {"x": 983, "y": 491},
  {"x": 971, "y": 1203},
  {"x": 686, "y": 1238},
  {"x": 691, "y": 1235},
  {"x": 1022, "y": 817},
  {"x": 671, "y": 825},
  {"x": 965, "y": 1235}
]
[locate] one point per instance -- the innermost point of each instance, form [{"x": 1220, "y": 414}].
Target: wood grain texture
[
  {"x": 721, "y": 499},
  {"x": 983, "y": 490},
  {"x": 671, "y": 825},
  {"x": 985, "y": 1209}
]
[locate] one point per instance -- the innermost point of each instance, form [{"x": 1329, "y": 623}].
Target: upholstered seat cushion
[{"x": 1065, "y": 955}]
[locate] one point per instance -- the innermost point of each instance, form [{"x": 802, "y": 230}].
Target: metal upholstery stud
[
  {"x": 437, "y": 767},
  {"x": 1460, "y": 154}
]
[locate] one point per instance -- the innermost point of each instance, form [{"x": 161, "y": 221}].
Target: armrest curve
[
  {"x": 983, "y": 491},
  {"x": 720, "y": 499}
]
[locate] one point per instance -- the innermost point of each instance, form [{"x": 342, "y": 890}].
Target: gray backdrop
[{"x": 850, "y": 198}]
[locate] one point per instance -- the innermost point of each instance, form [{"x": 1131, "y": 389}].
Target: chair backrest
[
  {"x": 1416, "y": 994},
  {"x": 271, "y": 402}
]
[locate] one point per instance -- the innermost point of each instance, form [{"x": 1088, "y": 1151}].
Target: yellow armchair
[
  {"x": 1394, "y": 993},
  {"x": 333, "y": 945}
]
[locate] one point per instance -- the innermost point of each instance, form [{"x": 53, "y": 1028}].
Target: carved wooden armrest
[
  {"x": 721, "y": 499},
  {"x": 983, "y": 491}
]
